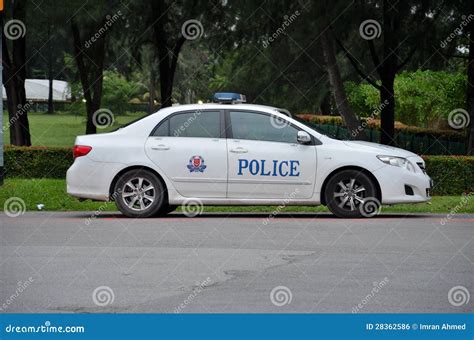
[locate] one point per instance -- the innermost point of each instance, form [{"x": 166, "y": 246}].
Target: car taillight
[{"x": 81, "y": 150}]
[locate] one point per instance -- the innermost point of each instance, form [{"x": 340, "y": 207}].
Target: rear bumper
[
  {"x": 89, "y": 179},
  {"x": 393, "y": 180}
]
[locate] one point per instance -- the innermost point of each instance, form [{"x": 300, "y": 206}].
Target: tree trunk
[
  {"x": 388, "y": 71},
  {"x": 91, "y": 74},
  {"x": 166, "y": 87},
  {"x": 50, "y": 72},
  {"x": 50, "y": 95},
  {"x": 470, "y": 87},
  {"x": 351, "y": 121},
  {"x": 387, "y": 116},
  {"x": 325, "y": 107},
  {"x": 167, "y": 52},
  {"x": 151, "y": 91},
  {"x": 14, "y": 81}
]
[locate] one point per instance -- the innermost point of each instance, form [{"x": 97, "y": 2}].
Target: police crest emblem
[{"x": 196, "y": 164}]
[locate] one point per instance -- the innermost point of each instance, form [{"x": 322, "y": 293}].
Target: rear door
[
  {"x": 190, "y": 149},
  {"x": 265, "y": 159}
]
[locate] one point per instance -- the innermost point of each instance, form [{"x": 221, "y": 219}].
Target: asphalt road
[{"x": 66, "y": 262}]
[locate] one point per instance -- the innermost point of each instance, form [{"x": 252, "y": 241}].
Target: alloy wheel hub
[
  {"x": 138, "y": 194},
  {"x": 350, "y": 194}
]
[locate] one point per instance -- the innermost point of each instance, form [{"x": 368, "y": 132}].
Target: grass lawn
[
  {"x": 52, "y": 193},
  {"x": 60, "y": 129}
]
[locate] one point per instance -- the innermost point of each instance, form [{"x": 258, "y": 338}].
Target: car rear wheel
[
  {"x": 166, "y": 209},
  {"x": 140, "y": 193},
  {"x": 348, "y": 194}
]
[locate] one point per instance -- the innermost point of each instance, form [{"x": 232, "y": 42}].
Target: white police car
[{"x": 231, "y": 153}]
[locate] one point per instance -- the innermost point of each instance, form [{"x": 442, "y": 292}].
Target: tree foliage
[
  {"x": 270, "y": 50},
  {"x": 423, "y": 98},
  {"x": 117, "y": 91}
]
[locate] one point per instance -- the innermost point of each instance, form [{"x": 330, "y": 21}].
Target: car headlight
[{"x": 397, "y": 161}]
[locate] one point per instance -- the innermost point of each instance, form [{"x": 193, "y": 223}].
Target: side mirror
[{"x": 303, "y": 137}]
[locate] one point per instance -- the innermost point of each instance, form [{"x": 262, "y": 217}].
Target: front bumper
[{"x": 393, "y": 181}]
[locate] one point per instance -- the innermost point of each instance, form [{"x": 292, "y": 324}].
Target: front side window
[
  {"x": 203, "y": 124},
  {"x": 258, "y": 126}
]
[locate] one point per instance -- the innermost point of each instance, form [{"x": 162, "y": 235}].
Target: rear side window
[
  {"x": 163, "y": 128},
  {"x": 203, "y": 124}
]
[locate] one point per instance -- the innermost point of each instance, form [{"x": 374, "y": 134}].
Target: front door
[{"x": 265, "y": 160}]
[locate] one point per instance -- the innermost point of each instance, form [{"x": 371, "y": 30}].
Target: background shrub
[
  {"x": 423, "y": 98},
  {"x": 452, "y": 175},
  {"x": 118, "y": 91},
  {"x": 37, "y": 162},
  {"x": 448, "y": 134}
]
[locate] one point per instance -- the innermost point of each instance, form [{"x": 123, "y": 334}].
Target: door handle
[
  {"x": 160, "y": 147},
  {"x": 239, "y": 150}
]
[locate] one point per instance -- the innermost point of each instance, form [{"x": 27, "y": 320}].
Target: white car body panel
[
  {"x": 91, "y": 176},
  {"x": 211, "y": 183}
]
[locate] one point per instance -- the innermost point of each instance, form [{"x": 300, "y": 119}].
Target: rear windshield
[{"x": 131, "y": 122}]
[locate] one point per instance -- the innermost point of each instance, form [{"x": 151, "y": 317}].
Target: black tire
[
  {"x": 166, "y": 209},
  {"x": 171, "y": 208},
  {"x": 347, "y": 190},
  {"x": 133, "y": 202}
]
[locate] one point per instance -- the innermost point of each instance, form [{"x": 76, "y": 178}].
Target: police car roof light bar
[{"x": 229, "y": 98}]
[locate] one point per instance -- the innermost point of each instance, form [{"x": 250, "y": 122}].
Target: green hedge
[
  {"x": 452, "y": 175},
  {"x": 37, "y": 162},
  {"x": 451, "y": 135}
]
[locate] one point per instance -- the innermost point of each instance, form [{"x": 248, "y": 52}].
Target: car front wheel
[
  {"x": 139, "y": 193},
  {"x": 351, "y": 194}
]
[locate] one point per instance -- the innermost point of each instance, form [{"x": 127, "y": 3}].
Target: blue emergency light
[{"x": 229, "y": 97}]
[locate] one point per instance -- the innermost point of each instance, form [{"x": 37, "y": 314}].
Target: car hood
[{"x": 380, "y": 149}]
